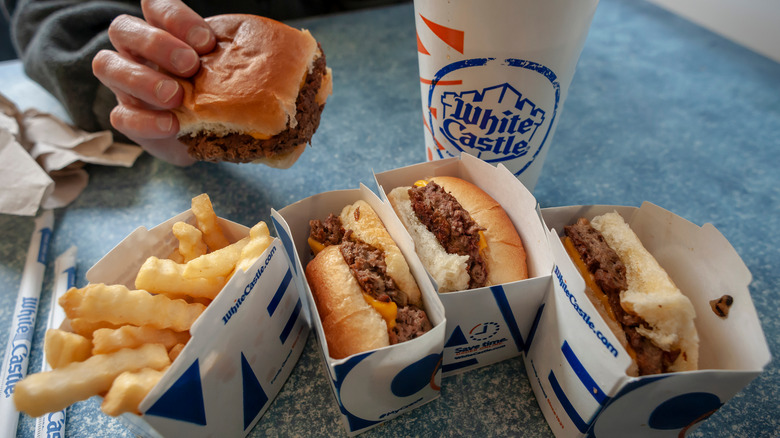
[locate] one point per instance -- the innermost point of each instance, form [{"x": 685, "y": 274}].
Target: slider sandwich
[
  {"x": 258, "y": 95},
  {"x": 363, "y": 289},
  {"x": 646, "y": 311},
  {"x": 463, "y": 237}
]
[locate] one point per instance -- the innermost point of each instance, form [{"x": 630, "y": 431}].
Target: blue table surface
[{"x": 660, "y": 110}]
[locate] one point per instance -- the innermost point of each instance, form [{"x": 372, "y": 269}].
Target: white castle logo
[{"x": 498, "y": 121}]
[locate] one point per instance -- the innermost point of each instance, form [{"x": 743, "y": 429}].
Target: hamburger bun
[
  {"x": 258, "y": 95},
  {"x": 652, "y": 294}
]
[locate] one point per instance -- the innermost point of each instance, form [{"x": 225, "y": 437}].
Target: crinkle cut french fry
[
  {"x": 259, "y": 239},
  {"x": 161, "y": 276},
  {"x": 219, "y": 263},
  {"x": 119, "y": 305},
  {"x": 176, "y": 256},
  {"x": 202, "y": 300},
  {"x": 128, "y": 391},
  {"x": 130, "y": 336},
  {"x": 85, "y": 328},
  {"x": 55, "y": 390},
  {"x": 62, "y": 348},
  {"x": 174, "y": 352},
  {"x": 207, "y": 222},
  {"x": 191, "y": 244}
]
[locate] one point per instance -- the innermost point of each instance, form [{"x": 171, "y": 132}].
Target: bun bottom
[
  {"x": 351, "y": 325},
  {"x": 652, "y": 295},
  {"x": 284, "y": 161}
]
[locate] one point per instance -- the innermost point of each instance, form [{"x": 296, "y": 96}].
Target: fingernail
[
  {"x": 165, "y": 122},
  {"x": 184, "y": 59},
  {"x": 166, "y": 89},
  {"x": 198, "y": 36}
]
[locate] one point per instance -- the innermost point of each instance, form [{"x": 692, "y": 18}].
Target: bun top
[
  {"x": 250, "y": 82},
  {"x": 365, "y": 223}
]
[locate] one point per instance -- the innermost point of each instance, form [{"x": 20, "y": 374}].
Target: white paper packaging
[
  {"x": 243, "y": 346},
  {"x": 378, "y": 385},
  {"x": 577, "y": 367},
  {"x": 488, "y": 324},
  {"x": 53, "y": 423}
]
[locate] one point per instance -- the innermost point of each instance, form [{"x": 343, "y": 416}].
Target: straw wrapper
[
  {"x": 53, "y": 424},
  {"x": 17, "y": 354}
]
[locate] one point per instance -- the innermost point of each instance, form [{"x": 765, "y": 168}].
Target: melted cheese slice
[
  {"x": 258, "y": 135},
  {"x": 315, "y": 245},
  {"x": 388, "y": 310}
]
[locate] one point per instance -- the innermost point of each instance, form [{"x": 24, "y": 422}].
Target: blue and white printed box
[
  {"x": 577, "y": 367},
  {"x": 243, "y": 346},
  {"x": 378, "y": 385},
  {"x": 489, "y": 324}
]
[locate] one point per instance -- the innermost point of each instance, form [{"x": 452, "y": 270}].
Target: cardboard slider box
[
  {"x": 378, "y": 385},
  {"x": 489, "y": 324},
  {"x": 577, "y": 367},
  {"x": 243, "y": 347},
  {"x": 575, "y": 364}
]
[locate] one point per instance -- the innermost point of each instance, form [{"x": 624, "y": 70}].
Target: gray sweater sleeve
[{"x": 56, "y": 41}]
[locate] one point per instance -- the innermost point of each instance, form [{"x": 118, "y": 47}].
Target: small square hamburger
[{"x": 258, "y": 95}]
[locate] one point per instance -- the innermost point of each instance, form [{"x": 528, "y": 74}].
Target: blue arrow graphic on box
[
  {"x": 254, "y": 396},
  {"x": 456, "y": 338},
  {"x": 184, "y": 400}
]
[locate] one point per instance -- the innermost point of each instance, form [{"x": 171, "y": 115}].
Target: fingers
[
  {"x": 172, "y": 37},
  {"x": 139, "y": 123},
  {"x": 140, "y": 40},
  {"x": 125, "y": 76},
  {"x": 155, "y": 131},
  {"x": 180, "y": 21},
  {"x": 170, "y": 150},
  {"x": 149, "y": 54}
]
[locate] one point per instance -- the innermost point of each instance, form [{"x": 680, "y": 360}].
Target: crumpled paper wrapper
[{"x": 42, "y": 159}]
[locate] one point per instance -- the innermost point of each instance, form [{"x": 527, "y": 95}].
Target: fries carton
[
  {"x": 243, "y": 346},
  {"x": 375, "y": 386},
  {"x": 489, "y": 324},
  {"x": 576, "y": 366}
]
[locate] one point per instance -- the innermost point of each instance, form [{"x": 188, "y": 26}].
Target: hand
[{"x": 171, "y": 40}]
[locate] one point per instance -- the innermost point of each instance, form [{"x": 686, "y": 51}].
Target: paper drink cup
[{"x": 494, "y": 76}]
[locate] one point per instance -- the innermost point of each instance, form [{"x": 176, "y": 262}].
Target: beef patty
[{"x": 452, "y": 225}]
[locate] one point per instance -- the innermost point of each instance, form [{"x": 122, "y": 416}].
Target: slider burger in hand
[
  {"x": 463, "y": 237},
  {"x": 364, "y": 291},
  {"x": 634, "y": 295},
  {"x": 258, "y": 95}
]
